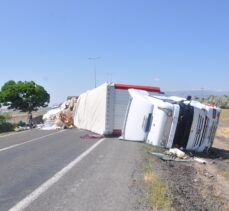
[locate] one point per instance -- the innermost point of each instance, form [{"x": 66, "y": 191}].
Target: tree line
[{"x": 220, "y": 101}]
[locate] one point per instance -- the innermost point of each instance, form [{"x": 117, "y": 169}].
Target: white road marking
[
  {"x": 26, "y": 142},
  {"x": 46, "y": 185}
]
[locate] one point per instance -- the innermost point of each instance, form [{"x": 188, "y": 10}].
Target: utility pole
[{"x": 93, "y": 59}]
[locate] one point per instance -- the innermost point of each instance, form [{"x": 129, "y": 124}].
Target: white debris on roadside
[
  {"x": 200, "y": 160},
  {"x": 19, "y": 128},
  {"x": 59, "y": 118},
  {"x": 177, "y": 152}
]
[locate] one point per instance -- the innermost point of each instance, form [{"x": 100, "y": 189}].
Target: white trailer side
[{"x": 102, "y": 110}]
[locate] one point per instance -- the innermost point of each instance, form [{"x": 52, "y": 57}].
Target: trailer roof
[{"x": 130, "y": 86}]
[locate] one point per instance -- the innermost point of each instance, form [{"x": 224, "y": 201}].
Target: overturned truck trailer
[
  {"x": 170, "y": 121},
  {"x": 102, "y": 110}
]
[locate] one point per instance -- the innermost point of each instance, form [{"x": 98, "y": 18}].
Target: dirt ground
[
  {"x": 16, "y": 117},
  {"x": 196, "y": 186}
]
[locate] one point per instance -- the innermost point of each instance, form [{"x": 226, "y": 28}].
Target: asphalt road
[{"x": 60, "y": 170}]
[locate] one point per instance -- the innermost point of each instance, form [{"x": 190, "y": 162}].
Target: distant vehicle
[{"x": 170, "y": 121}]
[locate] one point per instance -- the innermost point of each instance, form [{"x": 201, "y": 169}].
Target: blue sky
[{"x": 174, "y": 44}]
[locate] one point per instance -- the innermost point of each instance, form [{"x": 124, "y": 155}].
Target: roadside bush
[
  {"x": 6, "y": 127},
  {"x": 21, "y": 124},
  {"x": 7, "y": 116},
  {"x": 2, "y": 119}
]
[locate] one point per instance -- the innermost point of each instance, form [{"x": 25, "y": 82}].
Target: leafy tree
[{"x": 25, "y": 96}]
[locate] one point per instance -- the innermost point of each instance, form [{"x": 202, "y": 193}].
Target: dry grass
[
  {"x": 225, "y": 174},
  {"x": 156, "y": 192},
  {"x": 223, "y": 131},
  {"x": 223, "y": 169},
  {"x": 155, "y": 187},
  {"x": 224, "y": 116},
  {"x": 24, "y": 114}
]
